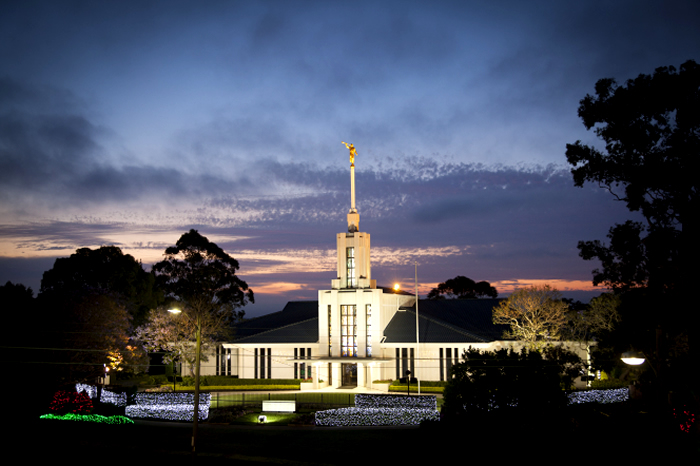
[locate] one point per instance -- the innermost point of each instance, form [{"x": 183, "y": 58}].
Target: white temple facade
[{"x": 357, "y": 333}]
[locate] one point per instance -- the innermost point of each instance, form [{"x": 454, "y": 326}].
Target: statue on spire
[{"x": 353, "y": 152}]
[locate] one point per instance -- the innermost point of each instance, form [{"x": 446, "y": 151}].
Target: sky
[{"x": 128, "y": 123}]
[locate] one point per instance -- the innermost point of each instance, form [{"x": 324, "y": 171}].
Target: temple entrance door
[{"x": 349, "y": 375}]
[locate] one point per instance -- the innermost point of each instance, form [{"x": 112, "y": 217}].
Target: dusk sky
[{"x": 128, "y": 123}]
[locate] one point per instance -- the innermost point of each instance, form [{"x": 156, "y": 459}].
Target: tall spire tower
[{"x": 354, "y": 269}]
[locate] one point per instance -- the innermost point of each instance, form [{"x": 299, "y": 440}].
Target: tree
[
  {"x": 106, "y": 270},
  {"x": 175, "y": 336},
  {"x": 199, "y": 276},
  {"x": 89, "y": 332},
  {"x": 651, "y": 130},
  {"x": 463, "y": 288},
  {"x": 86, "y": 310},
  {"x": 600, "y": 316},
  {"x": 505, "y": 379},
  {"x": 536, "y": 315}
]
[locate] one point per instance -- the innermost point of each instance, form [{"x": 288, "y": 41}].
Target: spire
[{"x": 353, "y": 216}]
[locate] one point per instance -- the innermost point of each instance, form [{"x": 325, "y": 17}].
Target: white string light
[{"x": 382, "y": 410}]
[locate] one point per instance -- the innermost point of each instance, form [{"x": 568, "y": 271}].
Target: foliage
[
  {"x": 536, "y": 315},
  {"x": 426, "y": 386},
  {"x": 89, "y": 418},
  {"x": 106, "y": 271},
  {"x": 597, "y": 318},
  {"x": 463, "y": 288},
  {"x": 484, "y": 381},
  {"x": 613, "y": 395},
  {"x": 71, "y": 402},
  {"x": 650, "y": 126},
  {"x": 608, "y": 384},
  {"x": 90, "y": 331},
  {"x": 86, "y": 309},
  {"x": 200, "y": 278},
  {"x": 173, "y": 334},
  {"x": 20, "y": 346},
  {"x": 170, "y": 406},
  {"x": 15, "y": 294}
]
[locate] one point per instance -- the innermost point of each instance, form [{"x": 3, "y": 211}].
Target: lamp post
[
  {"x": 196, "y": 382},
  {"x": 174, "y": 311}
]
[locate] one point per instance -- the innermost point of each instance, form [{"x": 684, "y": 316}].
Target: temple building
[{"x": 357, "y": 333}]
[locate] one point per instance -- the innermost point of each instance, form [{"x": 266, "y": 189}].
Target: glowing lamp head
[
  {"x": 632, "y": 358},
  {"x": 174, "y": 311}
]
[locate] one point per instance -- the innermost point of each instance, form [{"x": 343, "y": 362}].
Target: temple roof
[
  {"x": 446, "y": 321},
  {"x": 441, "y": 321},
  {"x": 296, "y": 323}
]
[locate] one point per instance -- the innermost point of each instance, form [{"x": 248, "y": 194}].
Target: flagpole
[{"x": 417, "y": 334}]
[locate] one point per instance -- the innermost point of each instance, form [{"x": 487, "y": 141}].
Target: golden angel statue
[{"x": 353, "y": 152}]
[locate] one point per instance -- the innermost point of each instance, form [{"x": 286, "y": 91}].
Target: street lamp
[
  {"x": 176, "y": 312},
  {"x": 632, "y": 358}
]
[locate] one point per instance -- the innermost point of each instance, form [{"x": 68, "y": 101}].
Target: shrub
[
  {"x": 608, "y": 384},
  {"x": 487, "y": 380},
  {"x": 71, "y": 402}
]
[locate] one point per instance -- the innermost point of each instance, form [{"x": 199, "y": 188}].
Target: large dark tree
[
  {"x": 463, "y": 288},
  {"x": 108, "y": 271},
  {"x": 201, "y": 278},
  {"x": 19, "y": 315},
  {"x": 651, "y": 130},
  {"x": 88, "y": 306}
]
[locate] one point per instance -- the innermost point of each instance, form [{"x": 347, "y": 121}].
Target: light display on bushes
[
  {"x": 600, "y": 396},
  {"x": 165, "y": 406},
  {"x": 685, "y": 418},
  {"x": 70, "y": 402},
  {"x": 169, "y": 406},
  {"x": 364, "y": 400},
  {"x": 109, "y": 397},
  {"x": 382, "y": 410},
  {"x": 90, "y": 390},
  {"x": 89, "y": 418},
  {"x": 344, "y": 417}
]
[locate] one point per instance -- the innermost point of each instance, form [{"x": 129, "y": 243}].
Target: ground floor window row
[
  {"x": 404, "y": 360},
  {"x": 263, "y": 362}
]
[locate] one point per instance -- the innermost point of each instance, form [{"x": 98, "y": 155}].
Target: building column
[
  {"x": 337, "y": 376},
  {"x": 361, "y": 367}
]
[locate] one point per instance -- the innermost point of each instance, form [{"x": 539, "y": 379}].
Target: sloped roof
[
  {"x": 296, "y": 323},
  {"x": 446, "y": 320},
  {"x": 441, "y": 321}
]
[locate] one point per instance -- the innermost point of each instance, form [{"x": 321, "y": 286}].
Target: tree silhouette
[{"x": 463, "y": 288}]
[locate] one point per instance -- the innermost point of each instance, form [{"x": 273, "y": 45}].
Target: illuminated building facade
[{"x": 357, "y": 333}]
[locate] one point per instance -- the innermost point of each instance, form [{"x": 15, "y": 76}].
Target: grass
[
  {"x": 280, "y": 419},
  {"x": 211, "y": 388},
  {"x": 325, "y": 400},
  {"x": 414, "y": 389}
]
